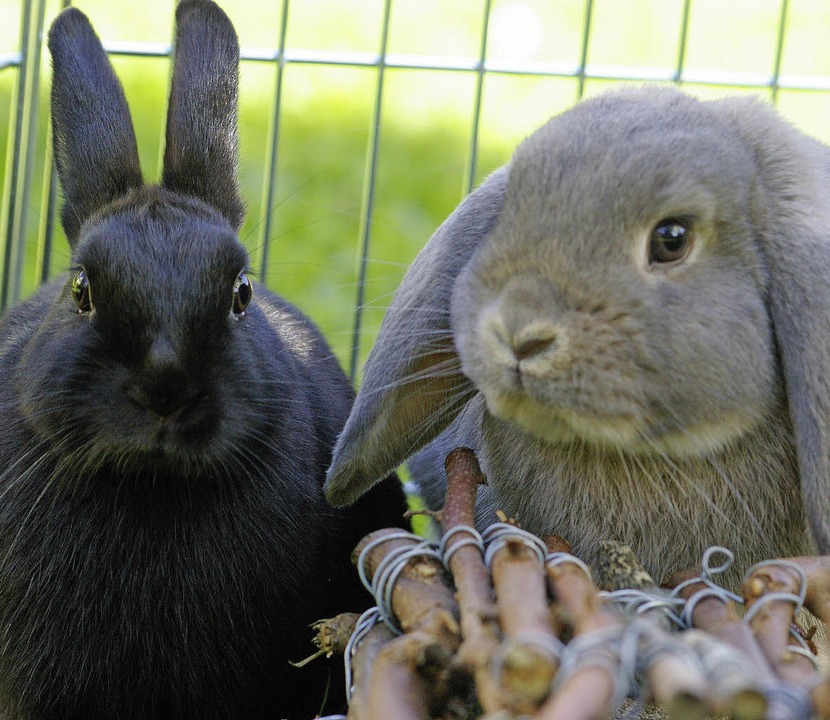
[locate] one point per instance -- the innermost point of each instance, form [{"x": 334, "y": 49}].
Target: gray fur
[{"x": 670, "y": 407}]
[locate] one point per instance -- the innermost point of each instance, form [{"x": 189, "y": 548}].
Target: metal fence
[{"x": 25, "y": 64}]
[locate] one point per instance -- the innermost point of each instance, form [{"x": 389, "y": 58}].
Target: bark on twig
[
  {"x": 362, "y": 661},
  {"x": 422, "y": 602},
  {"x": 771, "y": 624},
  {"x": 479, "y": 619},
  {"x": 526, "y": 658},
  {"x": 719, "y": 617},
  {"x": 397, "y": 691},
  {"x": 674, "y": 675},
  {"x": 422, "y": 598},
  {"x": 619, "y": 568},
  {"x": 734, "y": 690},
  {"x": 588, "y": 692},
  {"x": 817, "y": 571}
]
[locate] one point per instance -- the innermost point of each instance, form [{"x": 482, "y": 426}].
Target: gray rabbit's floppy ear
[
  {"x": 794, "y": 237},
  {"x": 201, "y": 150},
  {"x": 413, "y": 386},
  {"x": 95, "y": 149}
]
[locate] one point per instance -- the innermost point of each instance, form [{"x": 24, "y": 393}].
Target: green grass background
[{"x": 426, "y": 115}]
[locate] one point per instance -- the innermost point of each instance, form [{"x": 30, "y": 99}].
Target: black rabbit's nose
[
  {"x": 162, "y": 386},
  {"x": 163, "y": 393}
]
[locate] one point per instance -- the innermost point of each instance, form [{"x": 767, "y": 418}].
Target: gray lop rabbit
[
  {"x": 630, "y": 325},
  {"x": 164, "y": 538}
]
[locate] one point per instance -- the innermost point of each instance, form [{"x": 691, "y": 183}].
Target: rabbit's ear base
[
  {"x": 201, "y": 151},
  {"x": 96, "y": 154}
]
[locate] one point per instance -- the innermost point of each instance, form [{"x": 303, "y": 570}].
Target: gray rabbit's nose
[{"x": 524, "y": 348}]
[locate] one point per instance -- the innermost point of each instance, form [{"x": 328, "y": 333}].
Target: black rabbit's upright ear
[
  {"x": 794, "y": 236},
  {"x": 413, "y": 386},
  {"x": 95, "y": 148},
  {"x": 200, "y": 155}
]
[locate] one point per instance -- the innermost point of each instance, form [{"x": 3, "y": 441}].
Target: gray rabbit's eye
[
  {"x": 670, "y": 242},
  {"x": 243, "y": 291},
  {"x": 80, "y": 292}
]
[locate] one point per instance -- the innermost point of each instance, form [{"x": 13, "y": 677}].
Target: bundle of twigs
[{"x": 507, "y": 626}]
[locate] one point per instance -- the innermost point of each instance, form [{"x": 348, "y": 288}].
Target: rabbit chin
[
  {"x": 629, "y": 433},
  {"x": 159, "y": 448}
]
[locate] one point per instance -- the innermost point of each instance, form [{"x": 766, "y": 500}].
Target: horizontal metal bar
[
  {"x": 621, "y": 73},
  {"x": 138, "y": 49},
  {"x": 8, "y": 60}
]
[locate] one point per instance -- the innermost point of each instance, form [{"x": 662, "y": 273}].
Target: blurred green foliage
[{"x": 427, "y": 115}]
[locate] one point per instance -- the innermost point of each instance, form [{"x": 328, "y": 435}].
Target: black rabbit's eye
[
  {"x": 243, "y": 291},
  {"x": 670, "y": 242},
  {"x": 80, "y": 292}
]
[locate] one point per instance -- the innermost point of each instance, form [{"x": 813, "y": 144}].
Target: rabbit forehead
[
  {"x": 155, "y": 231},
  {"x": 625, "y": 159},
  {"x": 151, "y": 242}
]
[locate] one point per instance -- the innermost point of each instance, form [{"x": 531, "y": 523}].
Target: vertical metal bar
[
  {"x": 13, "y": 164},
  {"x": 779, "y": 50},
  {"x": 369, "y": 194},
  {"x": 583, "y": 58},
  {"x": 683, "y": 41},
  {"x": 28, "y": 145},
  {"x": 469, "y": 181},
  {"x": 24, "y": 114},
  {"x": 269, "y": 190}
]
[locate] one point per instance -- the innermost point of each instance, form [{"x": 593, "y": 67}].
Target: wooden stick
[
  {"x": 479, "y": 618},
  {"x": 720, "y": 617},
  {"x": 674, "y": 675},
  {"x": 365, "y": 655},
  {"x": 422, "y": 598},
  {"x": 771, "y": 624},
  {"x": 527, "y": 662},
  {"x": 734, "y": 690},
  {"x": 422, "y": 602},
  {"x": 587, "y": 693},
  {"x": 396, "y": 690},
  {"x": 817, "y": 571}
]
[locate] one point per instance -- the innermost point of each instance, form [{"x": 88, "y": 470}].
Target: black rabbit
[{"x": 164, "y": 540}]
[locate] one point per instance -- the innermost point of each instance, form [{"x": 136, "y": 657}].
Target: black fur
[{"x": 164, "y": 541}]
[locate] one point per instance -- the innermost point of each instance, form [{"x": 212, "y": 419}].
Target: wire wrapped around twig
[
  {"x": 593, "y": 678},
  {"x": 527, "y": 659},
  {"x": 713, "y": 609},
  {"x": 415, "y": 597},
  {"x": 774, "y": 592}
]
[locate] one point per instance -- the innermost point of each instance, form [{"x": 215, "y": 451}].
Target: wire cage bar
[{"x": 25, "y": 63}]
